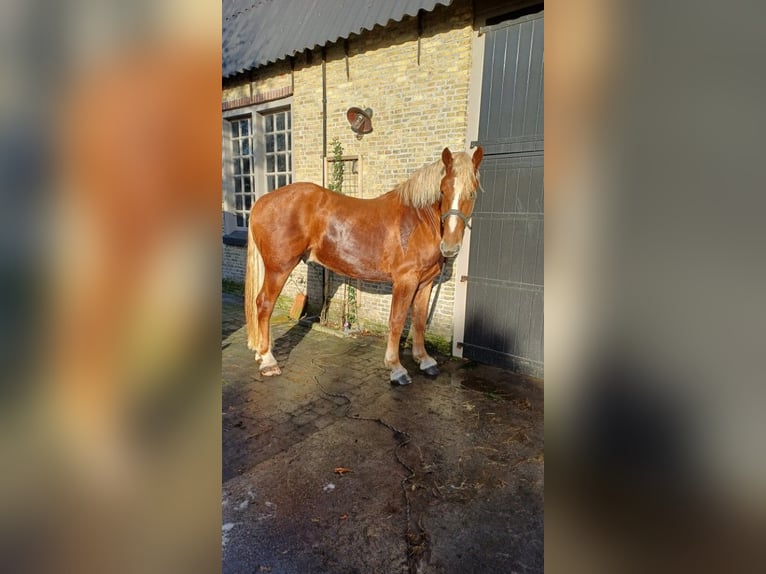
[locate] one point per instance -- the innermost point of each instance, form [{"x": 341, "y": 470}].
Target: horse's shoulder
[{"x": 409, "y": 219}]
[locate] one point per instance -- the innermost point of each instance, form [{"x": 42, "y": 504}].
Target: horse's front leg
[
  {"x": 400, "y": 304},
  {"x": 419, "y": 315}
]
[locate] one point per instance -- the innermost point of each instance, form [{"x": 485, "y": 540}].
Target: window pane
[
  {"x": 290, "y": 162},
  {"x": 240, "y": 220},
  {"x": 281, "y": 122},
  {"x": 281, "y": 163},
  {"x": 245, "y": 128},
  {"x": 235, "y": 129},
  {"x": 271, "y": 183},
  {"x": 248, "y": 202},
  {"x": 281, "y": 142},
  {"x": 238, "y": 200},
  {"x": 246, "y": 146},
  {"x": 245, "y": 166},
  {"x": 269, "y": 143},
  {"x": 289, "y": 119},
  {"x": 236, "y": 147},
  {"x": 289, "y": 140},
  {"x": 282, "y": 180},
  {"x": 269, "y": 123},
  {"x": 237, "y": 185},
  {"x": 248, "y": 185}
]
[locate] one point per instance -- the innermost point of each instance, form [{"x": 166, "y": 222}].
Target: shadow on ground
[{"x": 329, "y": 469}]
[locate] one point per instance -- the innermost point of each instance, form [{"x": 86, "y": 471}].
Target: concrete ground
[{"x": 329, "y": 469}]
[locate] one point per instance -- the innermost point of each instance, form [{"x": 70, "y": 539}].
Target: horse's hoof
[
  {"x": 431, "y": 371},
  {"x": 271, "y": 371},
  {"x": 401, "y": 380}
]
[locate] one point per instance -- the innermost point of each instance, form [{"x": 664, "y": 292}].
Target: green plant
[
  {"x": 336, "y": 185},
  {"x": 350, "y": 303},
  {"x": 336, "y": 179}
]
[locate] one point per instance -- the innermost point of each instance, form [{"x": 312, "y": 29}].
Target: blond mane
[{"x": 423, "y": 187}]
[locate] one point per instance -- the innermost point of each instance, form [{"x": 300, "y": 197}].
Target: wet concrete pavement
[{"x": 329, "y": 469}]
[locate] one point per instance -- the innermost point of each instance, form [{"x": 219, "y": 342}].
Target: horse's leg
[
  {"x": 272, "y": 285},
  {"x": 419, "y": 314},
  {"x": 400, "y": 304}
]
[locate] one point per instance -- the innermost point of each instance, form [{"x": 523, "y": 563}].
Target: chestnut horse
[{"x": 401, "y": 237}]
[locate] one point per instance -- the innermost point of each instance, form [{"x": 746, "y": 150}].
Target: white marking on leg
[
  {"x": 269, "y": 366},
  {"x": 427, "y": 362},
  {"x": 397, "y": 372},
  {"x": 268, "y": 360}
]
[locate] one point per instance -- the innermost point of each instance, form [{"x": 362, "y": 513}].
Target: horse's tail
[{"x": 254, "y": 273}]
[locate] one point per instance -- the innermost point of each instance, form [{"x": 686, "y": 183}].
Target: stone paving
[{"x": 445, "y": 475}]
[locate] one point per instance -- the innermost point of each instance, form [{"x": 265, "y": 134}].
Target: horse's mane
[{"x": 423, "y": 187}]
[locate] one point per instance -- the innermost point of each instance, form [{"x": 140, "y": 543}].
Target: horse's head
[{"x": 458, "y": 194}]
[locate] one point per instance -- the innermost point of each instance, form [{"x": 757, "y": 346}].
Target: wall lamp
[{"x": 360, "y": 120}]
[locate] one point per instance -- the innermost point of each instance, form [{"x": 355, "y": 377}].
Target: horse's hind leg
[
  {"x": 272, "y": 286},
  {"x": 419, "y": 314}
]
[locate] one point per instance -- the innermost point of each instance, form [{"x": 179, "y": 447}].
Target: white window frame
[{"x": 256, "y": 112}]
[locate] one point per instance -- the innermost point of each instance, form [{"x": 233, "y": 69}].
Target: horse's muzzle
[{"x": 449, "y": 250}]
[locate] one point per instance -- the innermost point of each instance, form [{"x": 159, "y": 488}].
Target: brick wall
[
  {"x": 418, "y": 110},
  {"x": 272, "y": 77},
  {"x": 233, "y": 268}
]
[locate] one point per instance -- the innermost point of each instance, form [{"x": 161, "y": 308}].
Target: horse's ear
[
  {"x": 478, "y": 155},
  {"x": 447, "y": 159}
]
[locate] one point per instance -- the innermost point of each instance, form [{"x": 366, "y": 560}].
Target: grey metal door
[{"x": 504, "y": 294}]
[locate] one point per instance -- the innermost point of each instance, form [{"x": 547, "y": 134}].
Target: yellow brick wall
[
  {"x": 271, "y": 77},
  {"x": 417, "y": 111}
]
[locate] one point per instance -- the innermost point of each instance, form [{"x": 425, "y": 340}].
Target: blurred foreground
[
  {"x": 109, "y": 131},
  {"x": 655, "y": 276}
]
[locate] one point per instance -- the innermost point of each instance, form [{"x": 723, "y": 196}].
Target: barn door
[{"x": 504, "y": 292}]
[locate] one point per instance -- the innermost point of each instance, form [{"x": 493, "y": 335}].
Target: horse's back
[
  {"x": 287, "y": 205},
  {"x": 293, "y": 196},
  {"x": 301, "y": 202}
]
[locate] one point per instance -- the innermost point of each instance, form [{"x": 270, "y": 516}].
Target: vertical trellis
[{"x": 344, "y": 175}]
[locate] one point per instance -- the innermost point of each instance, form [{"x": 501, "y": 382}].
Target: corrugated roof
[{"x": 258, "y": 32}]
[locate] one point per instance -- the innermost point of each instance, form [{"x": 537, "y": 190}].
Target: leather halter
[{"x": 458, "y": 213}]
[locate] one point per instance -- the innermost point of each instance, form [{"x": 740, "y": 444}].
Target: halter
[{"x": 459, "y": 213}]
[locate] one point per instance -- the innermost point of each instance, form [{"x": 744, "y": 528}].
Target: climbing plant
[
  {"x": 336, "y": 178},
  {"x": 336, "y": 184}
]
